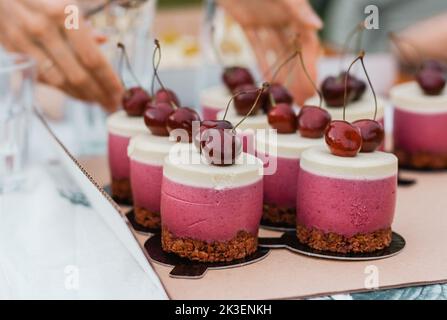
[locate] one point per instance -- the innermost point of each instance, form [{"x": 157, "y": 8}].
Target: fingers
[
  {"x": 258, "y": 50},
  {"x": 302, "y": 11},
  {"x": 89, "y": 54}
]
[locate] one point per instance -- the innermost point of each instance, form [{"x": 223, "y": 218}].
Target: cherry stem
[
  {"x": 125, "y": 58},
  {"x": 216, "y": 51},
  {"x": 303, "y": 65},
  {"x": 155, "y": 67},
  {"x": 265, "y": 85},
  {"x": 371, "y": 86},
  {"x": 345, "y": 97},
  {"x": 358, "y": 30},
  {"x": 233, "y": 97},
  {"x": 290, "y": 58},
  {"x": 398, "y": 41}
]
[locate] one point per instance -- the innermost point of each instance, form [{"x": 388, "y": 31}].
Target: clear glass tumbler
[{"x": 16, "y": 98}]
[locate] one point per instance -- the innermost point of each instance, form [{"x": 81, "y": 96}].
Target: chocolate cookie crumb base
[
  {"x": 239, "y": 247},
  {"x": 147, "y": 218},
  {"x": 367, "y": 242},
  {"x": 121, "y": 191},
  {"x": 279, "y": 215},
  {"x": 421, "y": 160}
]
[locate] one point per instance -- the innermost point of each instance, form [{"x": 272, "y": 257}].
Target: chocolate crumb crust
[
  {"x": 366, "y": 242},
  {"x": 279, "y": 215},
  {"x": 421, "y": 160},
  {"x": 147, "y": 218},
  {"x": 121, "y": 191},
  {"x": 242, "y": 245}
]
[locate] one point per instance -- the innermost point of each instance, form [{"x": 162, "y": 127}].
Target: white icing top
[
  {"x": 285, "y": 145},
  {"x": 361, "y": 109},
  {"x": 121, "y": 124},
  {"x": 215, "y": 97},
  {"x": 184, "y": 165},
  {"x": 149, "y": 149},
  {"x": 257, "y": 121},
  {"x": 409, "y": 96},
  {"x": 370, "y": 166}
]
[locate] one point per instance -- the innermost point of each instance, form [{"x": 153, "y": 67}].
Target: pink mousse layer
[
  {"x": 208, "y": 214},
  {"x": 280, "y": 187},
  {"x": 346, "y": 207},
  {"x": 146, "y": 185},
  {"x": 118, "y": 160},
  {"x": 415, "y": 132},
  {"x": 209, "y": 113}
]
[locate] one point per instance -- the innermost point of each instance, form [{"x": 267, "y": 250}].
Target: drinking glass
[{"x": 16, "y": 98}]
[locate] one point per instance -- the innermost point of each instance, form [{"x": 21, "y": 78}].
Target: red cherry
[
  {"x": 234, "y": 77},
  {"x": 431, "y": 81},
  {"x": 372, "y": 134},
  {"x": 433, "y": 65},
  {"x": 156, "y": 117},
  {"x": 282, "y": 118},
  {"x": 333, "y": 90},
  {"x": 244, "y": 102},
  {"x": 343, "y": 139},
  {"x": 221, "y": 147},
  {"x": 279, "y": 93},
  {"x": 312, "y": 121},
  {"x": 135, "y": 100},
  {"x": 166, "y": 95},
  {"x": 210, "y": 124},
  {"x": 182, "y": 118},
  {"x": 356, "y": 86}
]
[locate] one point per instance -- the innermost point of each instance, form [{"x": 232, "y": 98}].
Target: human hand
[
  {"x": 69, "y": 59},
  {"x": 271, "y": 26}
]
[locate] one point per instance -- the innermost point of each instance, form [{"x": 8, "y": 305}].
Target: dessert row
[{"x": 316, "y": 172}]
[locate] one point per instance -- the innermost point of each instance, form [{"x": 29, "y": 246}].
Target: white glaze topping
[
  {"x": 121, "y": 124},
  {"x": 149, "y": 149},
  {"x": 285, "y": 145}
]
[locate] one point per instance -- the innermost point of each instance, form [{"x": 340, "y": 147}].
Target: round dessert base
[
  {"x": 187, "y": 269},
  {"x": 422, "y": 161},
  {"x": 289, "y": 241},
  {"x": 277, "y": 219},
  {"x": 118, "y": 200},
  {"x": 139, "y": 228}
]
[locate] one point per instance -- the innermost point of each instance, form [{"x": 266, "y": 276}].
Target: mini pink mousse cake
[
  {"x": 213, "y": 100},
  {"x": 210, "y": 213},
  {"x": 281, "y": 157},
  {"x": 420, "y": 127},
  {"x": 121, "y": 128},
  {"x": 147, "y": 153},
  {"x": 346, "y": 204}
]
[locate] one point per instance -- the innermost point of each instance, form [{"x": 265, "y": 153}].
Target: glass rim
[{"x": 21, "y": 61}]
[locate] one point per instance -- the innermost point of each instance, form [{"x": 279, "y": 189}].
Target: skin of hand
[
  {"x": 68, "y": 59},
  {"x": 272, "y": 26},
  {"x": 428, "y": 38}
]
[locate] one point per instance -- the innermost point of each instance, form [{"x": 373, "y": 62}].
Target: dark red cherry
[
  {"x": 244, "y": 102},
  {"x": 343, "y": 138},
  {"x": 234, "y": 77},
  {"x": 431, "y": 81},
  {"x": 156, "y": 117},
  {"x": 210, "y": 124},
  {"x": 220, "y": 146},
  {"x": 333, "y": 90},
  {"x": 166, "y": 95},
  {"x": 135, "y": 100},
  {"x": 312, "y": 121},
  {"x": 182, "y": 118},
  {"x": 279, "y": 93},
  {"x": 282, "y": 118},
  {"x": 356, "y": 86},
  {"x": 433, "y": 65},
  {"x": 372, "y": 134}
]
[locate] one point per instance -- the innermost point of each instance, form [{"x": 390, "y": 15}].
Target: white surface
[
  {"x": 149, "y": 149},
  {"x": 121, "y": 124},
  {"x": 372, "y": 165},
  {"x": 49, "y": 236},
  {"x": 257, "y": 121},
  {"x": 216, "y": 97},
  {"x": 409, "y": 96},
  {"x": 184, "y": 165},
  {"x": 287, "y": 145}
]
